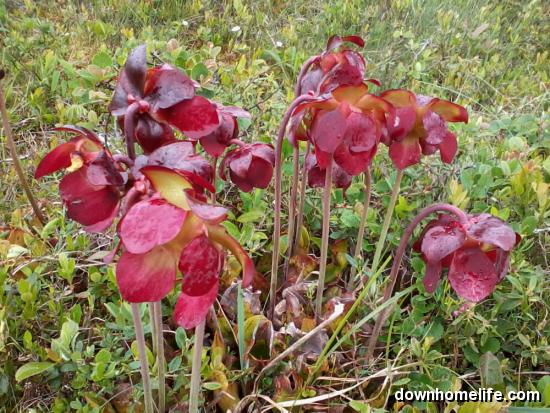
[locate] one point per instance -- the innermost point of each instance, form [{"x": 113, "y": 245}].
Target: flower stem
[
  {"x": 153, "y": 324},
  {"x": 277, "y": 206},
  {"x": 160, "y": 355},
  {"x": 196, "y": 369},
  {"x": 142, "y": 354},
  {"x": 303, "y": 185},
  {"x": 397, "y": 263},
  {"x": 324, "y": 238},
  {"x": 129, "y": 129},
  {"x": 362, "y": 226},
  {"x": 303, "y": 71},
  {"x": 215, "y": 175},
  {"x": 13, "y": 150},
  {"x": 292, "y": 205},
  {"x": 387, "y": 221}
]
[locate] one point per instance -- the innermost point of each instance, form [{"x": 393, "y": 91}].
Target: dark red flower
[
  {"x": 216, "y": 142},
  {"x": 250, "y": 166},
  {"x": 418, "y": 126},
  {"x": 336, "y": 66},
  {"x": 316, "y": 176},
  {"x": 148, "y": 99},
  {"x": 477, "y": 256},
  {"x": 91, "y": 192},
  {"x": 346, "y": 125}
]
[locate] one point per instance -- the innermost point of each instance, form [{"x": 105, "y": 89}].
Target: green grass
[{"x": 492, "y": 57}]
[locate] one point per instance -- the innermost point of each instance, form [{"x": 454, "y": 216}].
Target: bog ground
[{"x": 61, "y": 314}]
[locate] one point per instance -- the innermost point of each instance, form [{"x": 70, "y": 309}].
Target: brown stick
[{"x": 15, "y": 157}]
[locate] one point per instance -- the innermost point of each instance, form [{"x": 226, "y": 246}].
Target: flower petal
[
  {"x": 146, "y": 277},
  {"x": 448, "y": 148},
  {"x": 432, "y": 276},
  {"x": 167, "y": 86},
  {"x": 57, "y": 159},
  {"x": 200, "y": 263},
  {"x": 328, "y": 129},
  {"x": 194, "y": 117},
  {"x": 103, "y": 171},
  {"x": 440, "y": 241},
  {"x": 405, "y": 153},
  {"x": 472, "y": 274},
  {"x": 151, "y": 134},
  {"x": 87, "y": 204},
  {"x": 150, "y": 223},
  {"x": 212, "y": 214},
  {"x": 190, "y": 311},
  {"x": 169, "y": 184},
  {"x": 401, "y": 122},
  {"x": 491, "y": 230},
  {"x": 399, "y": 97},
  {"x": 449, "y": 111}
]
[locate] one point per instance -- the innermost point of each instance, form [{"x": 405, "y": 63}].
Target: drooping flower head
[
  {"x": 346, "y": 125},
  {"x": 477, "y": 256},
  {"x": 151, "y": 99},
  {"x": 91, "y": 192},
  {"x": 250, "y": 166},
  {"x": 419, "y": 126},
  {"x": 173, "y": 230},
  {"x": 338, "y": 65}
]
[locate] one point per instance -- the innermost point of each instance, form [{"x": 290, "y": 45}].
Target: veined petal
[
  {"x": 212, "y": 214},
  {"x": 350, "y": 94},
  {"x": 147, "y": 277},
  {"x": 371, "y": 102},
  {"x": 151, "y": 134},
  {"x": 488, "y": 229},
  {"x": 432, "y": 276},
  {"x": 399, "y": 97},
  {"x": 167, "y": 86},
  {"x": 449, "y": 111},
  {"x": 440, "y": 241},
  {"x": 405, "y": 153},
  {"x": 194, "y": 117},
  {"x": 328, "y": 129},
  {"x": 448, "y": 148},
  {"x": 200, "y": 263},
  {"x": 190, "y": 311},
  {"x": 150, "y": 223},
  {"x": 401, "y": 122},
  {"x": 472, "y": 274}
]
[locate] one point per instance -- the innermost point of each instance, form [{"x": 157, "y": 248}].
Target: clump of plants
[{"x": 169, "y": 225}]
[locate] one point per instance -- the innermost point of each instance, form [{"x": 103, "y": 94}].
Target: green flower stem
[
  {"x": 142, "y": 350},
  {"x": 387, "y": 221},
  {"x": 362, "y": 226},
  {"x": 324, "y": 239},
  {"x": 161, "y": 364},
  {"x": 152, "y": 322},
  {"x": 292, "y": 205},
  {"x": 196, "y": 369}
]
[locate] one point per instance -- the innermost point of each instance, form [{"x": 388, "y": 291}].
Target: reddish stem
[
  {"x": 397, "y": 263},
  {"x": 129, "y": 128},
  {"x": 278, "y": 196},
  {"x": 305, "y": 67},
  {"x": 237, "y": 142},
  {"x": 303, "y": 185},
  {"x": 292, "y": 205}
]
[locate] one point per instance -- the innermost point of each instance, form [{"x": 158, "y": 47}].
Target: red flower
[
  {"x": 174, "y": 230},
  {"x": 148, "y": 98},
  {"x": 477, "y": 256},
  {"x": 316, "y": 176},
  {"x": 346, "y": 125},
  {"x": 250, "y": 166},
  {"x": 216, "y": 142},
  {"x": 336, "y": 66},
  {"x": 418, "y": 125},
  {"x": 91, "y": 192}
]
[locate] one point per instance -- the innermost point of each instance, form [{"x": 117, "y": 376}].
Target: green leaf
[
  {"x": 251, "y": 216},
  {"x": 103, "y": 60},
  {"x": 490, "y": 372},
  {"x": 199, "y": 70},
  {"x": 212, "y": 385},
  {"x": 32, "y": 369}
]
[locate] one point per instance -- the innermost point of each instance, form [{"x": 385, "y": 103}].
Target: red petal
[
  {"x": 146, "y": 277},
  {"x": 260, "y": 173},
  {"x": 435, "y": 126},
  {"x": 432, "y": 276},
  {"x": 172, "y": 154},
  {"x": 341, "y": 74},
  {"x": 151, "y": 134},
  {"x": 264, "y": 151},
  {"x": 200, "y": 263},
  {"x": 241, "y": 160},
  {"x": 217, "y": 234},
  {"x": 353, "y": 163},
  {"x": 103, "y": 225},
  {"x": 354, "y": 39},
  {"x": 169, "y": 184},
  {"x": 449, "y": 111},
  {"x": 57, "y": 159},
  {"x": 216, "y": 142},
  {"x": 472, "y": 274},
  {"x": 103, "y": 171},
  {"x": 328, "y": 129},
  {"x": 242, "y": 183},
  {"x": 448, "y": 148},
  {"x": 194, "y": 117},
  {"x": 405, "y": 153},
  {"x": 491, "y": 230},
  {"x": 191, "y": 311},
  {"x": 150, "y": 223},
  {"x": 401, "y": 122},
  {"x": 440, "y": 241},
  {"x": 87, "y": 204},
  {"x": 311, "y": 80},
  {"x": 131, "y": 81},
  {"x": 167, "y": 86},
  {"x": 212, "y": 214}
]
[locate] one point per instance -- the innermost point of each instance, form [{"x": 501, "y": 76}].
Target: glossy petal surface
[
  {"x": 194, "y": 117},
  {"x": 472, "y": 274},
  {"x": 190, "y": 311},
  {"x": 200, "y": 263}
]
